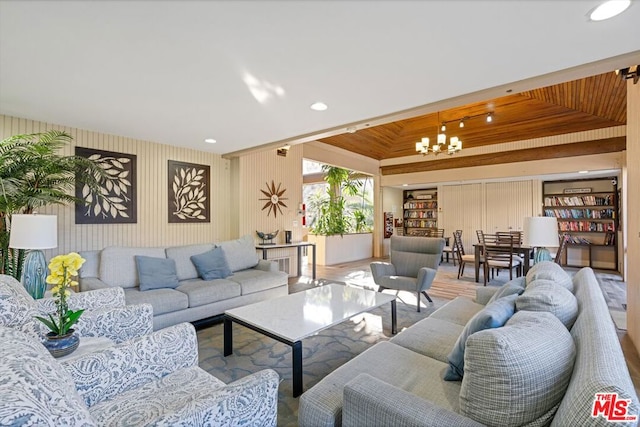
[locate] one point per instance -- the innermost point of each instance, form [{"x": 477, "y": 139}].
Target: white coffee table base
[{"x": 281, "y": 319}]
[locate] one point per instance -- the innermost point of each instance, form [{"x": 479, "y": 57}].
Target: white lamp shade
[
  {"x": 33, "y": 231},
  {"x": 541, "y": 232}
]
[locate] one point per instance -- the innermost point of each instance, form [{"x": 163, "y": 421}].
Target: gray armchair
[{"x": 412, "y": 267}]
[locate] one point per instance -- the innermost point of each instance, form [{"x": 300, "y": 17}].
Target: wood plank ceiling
[{"x": 591, "y": 103}]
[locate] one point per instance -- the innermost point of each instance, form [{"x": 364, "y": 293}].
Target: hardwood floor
[{"x": 446, "y": 285}]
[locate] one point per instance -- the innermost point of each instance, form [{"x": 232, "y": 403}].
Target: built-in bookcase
[
  {"x": 587, "y": 211},
  {"x": 420, "y": 211}
]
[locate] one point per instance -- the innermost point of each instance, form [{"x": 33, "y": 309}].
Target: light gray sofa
[
  {"x": 194, "y": 299},
  {"x": 543, "y": 367}
]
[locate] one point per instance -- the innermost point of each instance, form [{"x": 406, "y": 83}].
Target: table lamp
[
  {"x": 541, "y": 232},
  {"x": 34, "y": 232}
]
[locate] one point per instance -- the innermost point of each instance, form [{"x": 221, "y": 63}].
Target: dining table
[{"x": 525, "y": 251}]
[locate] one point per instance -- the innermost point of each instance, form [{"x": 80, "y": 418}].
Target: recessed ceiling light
[
  {"x": 210, "y": 141},
  {"x": 319, "y": 106},
  {"x": 583, "y": 171},
  {"x": 405, "y": 185},
  {"x": 609, "y": 9}
]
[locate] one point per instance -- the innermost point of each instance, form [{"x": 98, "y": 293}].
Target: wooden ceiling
[{"x": 591, "y": 103}]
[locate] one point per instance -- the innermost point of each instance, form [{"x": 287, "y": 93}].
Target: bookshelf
[
  {"x": 587, "y": 211},
  {"x": 420, "y": 211}
]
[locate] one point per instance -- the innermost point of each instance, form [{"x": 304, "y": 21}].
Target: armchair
[
  {"x": 150, "y": 380},
  {"x": 412, "y": 267},
  {"x": 106, "y": 314}
]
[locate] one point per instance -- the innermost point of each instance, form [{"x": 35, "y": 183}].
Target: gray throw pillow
[
  {"x": 518, "y": 374},
  {"x": 494, "y": 315},
  {"x": 241, "y": 253},
  {"x": 156, "y": 273},
  {"x": 547, "y": 295},
  {"x": 212, "y": 264},
  {"x": 549, "y": 270}
]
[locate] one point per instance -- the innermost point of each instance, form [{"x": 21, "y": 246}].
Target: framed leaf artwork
[
  {"x": 115, "y": 202},
  {"x": 189, "y": 190}
]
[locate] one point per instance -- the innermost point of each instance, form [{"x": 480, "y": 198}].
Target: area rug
[{"x": 322, "y": 353}]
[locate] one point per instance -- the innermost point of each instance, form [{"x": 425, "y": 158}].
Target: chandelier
[{"x": 440, "y": 146}]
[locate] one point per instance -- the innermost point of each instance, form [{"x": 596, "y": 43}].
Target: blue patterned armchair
[
  {"x": 149, "y": 380},
  {"x": 106, "y": 314}
]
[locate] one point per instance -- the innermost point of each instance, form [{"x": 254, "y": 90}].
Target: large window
[{"x": 357, "y": 205}]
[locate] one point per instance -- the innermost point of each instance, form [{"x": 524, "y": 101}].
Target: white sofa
[
  {"x": 543, "y": 367},
  {"x": 193, "y": 299}
]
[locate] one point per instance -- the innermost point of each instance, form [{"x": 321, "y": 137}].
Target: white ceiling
[{"x": 176, "y": 72}]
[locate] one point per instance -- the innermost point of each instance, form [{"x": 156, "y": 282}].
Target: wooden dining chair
[
  {"x": 499, "y": 255},
  {"x": 463, "y": 258}
]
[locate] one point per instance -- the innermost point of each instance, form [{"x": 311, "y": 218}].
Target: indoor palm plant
[{"x": 33, "y": 174}]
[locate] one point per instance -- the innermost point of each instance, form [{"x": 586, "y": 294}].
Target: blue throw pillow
[
  {"x": 494, "y": 315},
  {"x": 156, "y": 273},
  {"x": 515, "y": 286},
  {"x": 212, "y": 264}
]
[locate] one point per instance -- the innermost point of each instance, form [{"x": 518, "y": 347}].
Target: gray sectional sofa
[
  {"x": 556, "y": 349},
  {"x": 193, "y": 298}
]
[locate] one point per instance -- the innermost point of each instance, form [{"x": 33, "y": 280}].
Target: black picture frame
[
  {"x": 117, "y": 203},
  {"x": 188, "y": 196}
]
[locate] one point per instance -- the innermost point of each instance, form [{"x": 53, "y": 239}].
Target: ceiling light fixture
[
  {"x": 319, "y": 106},
  {"x": 609, "y": 9},
  {"x": 210, "y": 141},
  {"x": 440, "y": 146},
  {"x": 352, "y": 129},
  {"x": 443, "y": 128},
  {"x": 489, "y": 117}
]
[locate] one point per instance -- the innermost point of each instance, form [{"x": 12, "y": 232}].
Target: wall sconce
[
  {"x": 282, "y": 151},
  {"x": 629, "y": 73}
]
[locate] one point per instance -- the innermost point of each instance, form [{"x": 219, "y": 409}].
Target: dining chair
[
  {"x": 564, "y": 239},
  {"x": 499, "y": 255},
  {"x": 463, "y": 258}
]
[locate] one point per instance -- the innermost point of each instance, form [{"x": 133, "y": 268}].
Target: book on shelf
[
  {"x": 585, "y": 226},
  {"x": 603, "y": 200},
  {"x": 581, "y": 213}
]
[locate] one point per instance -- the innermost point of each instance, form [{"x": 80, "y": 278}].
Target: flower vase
[{"x": 61, "y": 345}]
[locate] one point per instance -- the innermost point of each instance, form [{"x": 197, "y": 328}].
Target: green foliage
[
  {"x": 336, "y": 212},
  {"x": 66, "y": 321},
  {"x": 32, "y": 175}
]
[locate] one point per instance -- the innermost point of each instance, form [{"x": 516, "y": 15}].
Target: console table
[{"x": 298, "y": 246}]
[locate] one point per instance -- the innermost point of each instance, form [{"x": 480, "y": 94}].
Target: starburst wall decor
[{"x": 274, "y": 198}]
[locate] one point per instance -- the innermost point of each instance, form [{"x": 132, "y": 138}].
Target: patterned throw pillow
[
  {"x": 550, "y": 271},
  {"x": 494, "y": 315},
  {"x": 517, "y": 374},
  {"x": 546, "y": 295}
]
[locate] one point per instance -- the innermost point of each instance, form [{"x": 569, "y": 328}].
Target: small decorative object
[
  {"x": 287, "y": 236},
  {"x": 267, "y": 236},
  {"x": 61, "y": 340},
  {"x": 274, "y": 199},
  {"x": 34, "y": 232}
]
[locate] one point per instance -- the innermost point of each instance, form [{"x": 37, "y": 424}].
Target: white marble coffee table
[{"x": 291, "y": 318}]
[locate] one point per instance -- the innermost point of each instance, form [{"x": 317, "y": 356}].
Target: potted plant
[
  {"x": 32, "y": 175},
  {"x": 62, "y": 340},
  {"x": 339, "y": 227}
]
